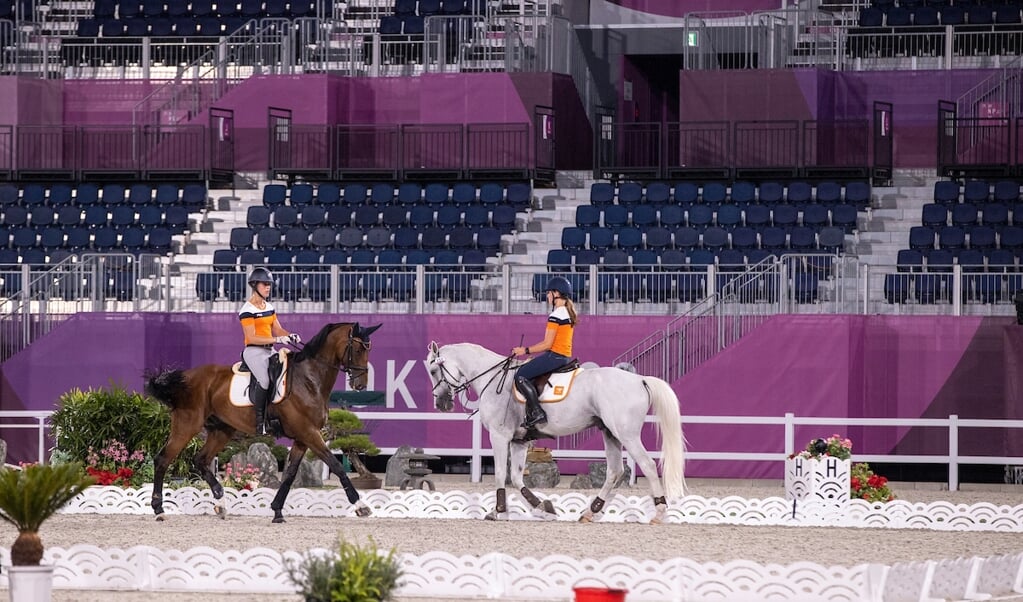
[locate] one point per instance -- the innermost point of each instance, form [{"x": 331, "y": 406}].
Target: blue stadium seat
[
  {"x": 713, "y": 194},
  {"x": 122, "y": 217},
  {"x": 194, "y": 197},
  {"x": 982, "y": 238},
  {"x": 488, "y": 240},
  {"x": 858, "y": 193},
  {"x": 921, "y": 238},
  {"x": 671, "y": 217},
  {"x": 269, "y": 238},
  {"x": 354, "y": 194},
  {"x": 995, "y": 215},
  {"x": 630, "y": 194},
  {"x": 965, "y": 216},
  {"x": 257, "y": 217},
  {"x": 313, "y": 217},
  {"x": 614, "y": 217},
  {"x": 378, "y": 237},
  {"x": 770, "y": 193},
  {"x": 799, "y": 194},
  {"x": 714, "y": 239},
  {"x": 382, "y": 193},
  {"x": 284, "y": 217},
  {"x": 33, "y": 194},
  {"x": 159, "y": 241},
  {"x": 295, "y": 239},
  {"x": 845, "y": 216},
  {"x": 643, "y": 216},
  {"x": 658, "y": 238},
  {"x": 463, "y": 193},
  {"x": 504, "y": 218},
  {"x": 150, "y": 217},
  {"x": 366, "y": 217},
  {"x": 421, "y": 217},
  {"x": 1011, "y": 238},
  {"x": 700, "y": 216},
  {"x": 687, "y": 238},
  {"x": 573, "y": 238},
  {"x": 433, "y": 240},
  {"x": 519, "y": 195},
  {"x": 491, "y": 194},
  {"x": 658, "y": 194},
  {"x": 60, "y": 195},
  {"x": 686, "y": 194},
  {"x": 325, "y": 239},
  {"x": 773, "y": 239},
  {"x": 785, "y": 216},
  {"x": 815, "y": 216},
  {"x": 757, "y": 216},
  {"x": 461, "y": 238},
  {"x": 976, "y": 192},
  {"x": 629, "y": 239},
  {"x": 301, "y": 195},
  {"x": 602, "y": 194},
  {"x": 476, "y": 216},
  {"x": 112, "y": 195},
  {"x": 448, "y": 217},
  {"x": 587, "y": 217},
  {"x": 410, "y": 193},
  {"x": 743, "y": 193},
  {"x": 598, "y": 239},
  {"x": 328, "y": 194},
  {"x": 42, "y": 216},
  {"x": 934, "y": 216},
  {"x": 139, "y": 194},
  {"x": 436, "y": 194},
  {"x": 946, "y": 192},
  {"x": 950, "y": 238},
  {"x": 728, "y": 217},
  {"x": 744, "y": 238},
  {"x": 828, "y": 193}
]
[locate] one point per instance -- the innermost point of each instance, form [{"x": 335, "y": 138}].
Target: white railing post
[
  {"x": 953, "y": 452},
  {"x": 790, "y": 433},
  {"x": 476, "y": 475}
]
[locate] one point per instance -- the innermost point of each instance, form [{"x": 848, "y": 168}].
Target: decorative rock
[
  {"x": 3, "y": 452},
  {"x": 581, "y": 481},
  {"x": 396, "y": 467},
  {"x": 310, "y": 473},
  {"x": 598, "y": 472},
  {"x": 260, "y": 456},
  {"x": 542, "y": 475}
]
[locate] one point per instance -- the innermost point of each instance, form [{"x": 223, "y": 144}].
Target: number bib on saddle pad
[
  {"x": 240, "y": 382},
  {"x": 556, "y": 389}
]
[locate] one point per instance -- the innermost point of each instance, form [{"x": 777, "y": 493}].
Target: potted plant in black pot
[
  {"x": 344, "y": 432},
  {"x": 29, "y": 496}
]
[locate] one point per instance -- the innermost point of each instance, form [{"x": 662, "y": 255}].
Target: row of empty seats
[
  {"x": 252, "y": 9},
  {"x": 729, "y": 217},
  {"x": 37, "y": 219},
  {"x": 926, "y": 277},
  {"x": 955, "y": 238},
  {"x": 486, "y": 239},
  {"x": 106, "y": 239},
  {"x": 930, "y": 16},
  {"x": 797, "y": 239},
  {"x": 968, "y": 215},
  {"x": 976, "y": 192},
  {"x": 516, "y": 194},
  {"x": 192, "y": 196},
  {"x": 739, "y": 193},
  {"x": 159, "y": 27},
  {"x": 419, "y": 217}
]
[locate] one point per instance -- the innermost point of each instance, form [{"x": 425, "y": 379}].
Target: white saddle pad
[
  {"x": 557, "y": 387},
  {"x": 240, "y": 383}
]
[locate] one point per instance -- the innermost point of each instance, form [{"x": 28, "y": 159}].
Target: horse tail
[
  {"x": 168, "y": 387},
  {"x": 673, "y": 443}
]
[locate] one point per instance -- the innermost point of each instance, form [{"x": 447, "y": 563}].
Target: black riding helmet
[
  {"x": 260, "y": 275},
  {"x": 561, "y": 285}
]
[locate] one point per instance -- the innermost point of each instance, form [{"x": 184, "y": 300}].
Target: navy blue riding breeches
[{"x": 540, "y": 364}]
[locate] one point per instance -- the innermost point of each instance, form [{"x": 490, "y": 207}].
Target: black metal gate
[
  {"x": 603, "y": 140},
  {"x": 278, "y": 128},
  {"x": 883, "y": 145},
  {"x": 221, "y": 148},
  {"x": 544, "y": 144}
]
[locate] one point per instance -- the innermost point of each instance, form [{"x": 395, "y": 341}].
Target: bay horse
[
  {"x": 200, "y": 397},
  {"x": 611, "y": 399}
]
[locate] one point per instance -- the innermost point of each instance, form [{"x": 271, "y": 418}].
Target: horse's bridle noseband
[{"x": 457, "y": 388}]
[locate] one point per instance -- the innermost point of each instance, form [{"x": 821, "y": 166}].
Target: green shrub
[
  {"x": 356, "y": 574},
  {"x": 92, "y": 418},
  {"x": 344, "y": 432}
]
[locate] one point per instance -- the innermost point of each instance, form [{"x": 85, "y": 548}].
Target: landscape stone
[
  {"x": 396, "y": 467},
  {"x": 542, "y": 475}
]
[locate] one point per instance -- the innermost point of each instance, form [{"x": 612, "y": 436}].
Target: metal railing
[{"x": 472, "y": 444}]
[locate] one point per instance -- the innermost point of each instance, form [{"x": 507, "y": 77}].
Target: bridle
[
  {"x": 347, "y": 357},
  {"x": 446, "y": 378}
]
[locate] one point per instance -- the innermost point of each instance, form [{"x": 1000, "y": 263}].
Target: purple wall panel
[
  {"x": 858, "y": 366},
  {"x": 674, "y": 8}
]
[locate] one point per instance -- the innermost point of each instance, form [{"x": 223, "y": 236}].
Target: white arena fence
[
  {"x": 500, "y": 576},
  {"x": 775, "y": 428}
]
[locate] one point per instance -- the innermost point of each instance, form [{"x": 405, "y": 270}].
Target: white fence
[{"x": 476, "y": 448}]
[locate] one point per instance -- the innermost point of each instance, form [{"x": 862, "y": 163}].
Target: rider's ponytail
[{"x": 571, "y": 311}]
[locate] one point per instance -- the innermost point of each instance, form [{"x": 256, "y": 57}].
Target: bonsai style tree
[
  {"x": 344, "y": 432},
  {"x": 29, "y": 496}
]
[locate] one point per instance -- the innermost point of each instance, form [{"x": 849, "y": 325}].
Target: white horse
[{"x": 613, "y": 400}]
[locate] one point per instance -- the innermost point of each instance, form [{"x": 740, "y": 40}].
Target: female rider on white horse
[{"x": 556, "y": 348}]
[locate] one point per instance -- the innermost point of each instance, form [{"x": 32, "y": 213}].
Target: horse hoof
[
  {"x": 160, "y": 518},
  {"x": 220, "y": 511},
  {"x": 496, "y": 516},
  {"x": 656, "y": 521},
  {"x": 548, "y": 507},
  {"x": 363, "y": 511},
  {"x": 585, "y": 519},
  {"x": 278, "y": 520}
]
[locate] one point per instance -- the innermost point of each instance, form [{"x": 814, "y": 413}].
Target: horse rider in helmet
[
  {"x": 555, "y": 350},
  {"x": 261, "y": 329}
]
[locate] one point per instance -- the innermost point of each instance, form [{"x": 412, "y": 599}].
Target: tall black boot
[
  {"x": 534, "y": 413},
  {"x": 259, "y": 396}
]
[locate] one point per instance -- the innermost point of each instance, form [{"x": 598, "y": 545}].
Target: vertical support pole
[{"x": 953, "y": 452}]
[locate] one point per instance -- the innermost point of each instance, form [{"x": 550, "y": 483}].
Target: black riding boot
[
  {"x": 534, "y": 413},
  {"x": 259, "y": 396}
]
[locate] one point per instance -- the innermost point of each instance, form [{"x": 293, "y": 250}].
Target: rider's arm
[
  {"x": 548, "y": 340},
  {"x": 277, "y": 330}
]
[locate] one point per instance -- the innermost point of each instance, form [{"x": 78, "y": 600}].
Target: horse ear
[
  {"x": 433, "y": 347},
  {"x": 368, "y": 331}
]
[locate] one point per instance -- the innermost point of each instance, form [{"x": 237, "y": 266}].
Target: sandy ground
[{"x": 523, "y": 538}]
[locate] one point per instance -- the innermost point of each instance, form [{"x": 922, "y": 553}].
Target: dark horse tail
[{"x": 168, "y": 387}]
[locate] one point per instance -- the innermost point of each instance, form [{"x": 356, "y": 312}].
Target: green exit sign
[{"x": 693, "y": 39}]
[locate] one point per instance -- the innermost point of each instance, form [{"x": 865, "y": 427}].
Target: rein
[
  {"x": 504, "y": 364},
  {"x": 352, "y": 371}
]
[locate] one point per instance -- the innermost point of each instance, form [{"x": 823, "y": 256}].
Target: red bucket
[{"x": 599, "y": 594}]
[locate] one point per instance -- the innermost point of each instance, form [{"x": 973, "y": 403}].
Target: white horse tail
[{"x": 673, "y": 443}]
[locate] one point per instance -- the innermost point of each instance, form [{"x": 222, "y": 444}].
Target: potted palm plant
[{"x": 29, "y": 496}]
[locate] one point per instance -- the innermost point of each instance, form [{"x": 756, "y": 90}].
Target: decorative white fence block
[{"x": 823, "y": 479}]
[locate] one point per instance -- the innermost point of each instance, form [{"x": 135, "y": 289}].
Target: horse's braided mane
[{"x": 315, "y": 344}]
